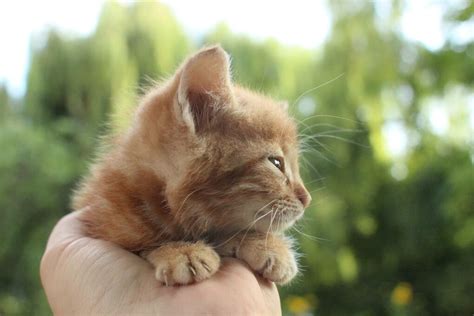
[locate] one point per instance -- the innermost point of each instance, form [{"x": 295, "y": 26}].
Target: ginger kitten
[{"x": 207, "y": 169}]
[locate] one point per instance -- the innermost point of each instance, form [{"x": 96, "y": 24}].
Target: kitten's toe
[
  {"x": 184, "y": 263},
  {"x": 279, "y": 270},
  {"x": 271, "y": 257},
  {"x": 173, "y": 271},
  {"x": 203, "y": 264}
]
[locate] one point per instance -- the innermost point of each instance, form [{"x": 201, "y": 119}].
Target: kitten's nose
[{"x": 302, "y": 195}]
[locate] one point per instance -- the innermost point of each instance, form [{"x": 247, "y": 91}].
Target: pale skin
[{"x": 86, "y": 276}]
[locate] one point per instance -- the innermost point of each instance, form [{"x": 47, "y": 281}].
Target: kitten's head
[{"x": 233, "y": 152}]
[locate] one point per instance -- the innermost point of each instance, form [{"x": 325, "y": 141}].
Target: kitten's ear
[{"x": 204, "y": 87}]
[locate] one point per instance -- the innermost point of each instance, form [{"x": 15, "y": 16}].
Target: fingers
[
  {"x": 86, "y": 276},
  {"x": 66, "y": 230},
  {"x": 69, "y": 244},
  {"x": 270, "y": 296},
  {"x": 234, "y": 282},
  {"x": 268, "y": 290}
]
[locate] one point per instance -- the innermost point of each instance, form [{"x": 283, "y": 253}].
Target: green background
[{"x": 387, "y": 233}]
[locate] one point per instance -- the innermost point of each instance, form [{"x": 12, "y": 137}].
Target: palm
[{"x": 83, "y": 275}]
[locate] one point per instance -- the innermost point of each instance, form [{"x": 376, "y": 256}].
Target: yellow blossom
[
  {"x": 402, "y": 294},
  {"x": 298, "y": 304}
]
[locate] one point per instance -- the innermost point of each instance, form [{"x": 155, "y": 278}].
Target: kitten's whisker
[
  {"x": 306, "y": 126},
  {"x": 313, "y": 238},
  {"x": 308, "y": 148},
  {"x": 302, "y": 123},
  {"x": 320, "y": 154},
  {"x": 248, "y": 229},
  {"x": 330, "y": 116},
  {"x": 307, "y": 163},
  {"x": 317, "y": 190},
  {"x": 279, "y": 222},
  {"x": 307, "y": 131},
  {"x": 250, "y": 225},
  {"x": 314, "y": 181},
  {"x": 312, "y": 137},
  {"x": 185, "y": 199},
  {"x": 270, "y": 226},
  {"x": 315, "y": 88},
  {"x": 341, "y": 139},
  {"x": 255, "y": 221},
  {"x": 341, "y": 130}
]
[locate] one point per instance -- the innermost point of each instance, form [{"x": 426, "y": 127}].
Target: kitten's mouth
[{"x": 281, "y": 215}]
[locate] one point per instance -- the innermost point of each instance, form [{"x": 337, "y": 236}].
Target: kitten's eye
[{"x": 277, "y": 162}]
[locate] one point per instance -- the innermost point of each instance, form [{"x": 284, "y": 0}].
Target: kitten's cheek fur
[{"x": 179, "y": 263}]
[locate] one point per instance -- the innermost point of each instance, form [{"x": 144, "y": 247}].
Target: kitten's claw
[
  {"x": 206, "y": 266},
  {"x": 268, "y": 264},
  {"x": 192, "y": 270},
  {"x": 184, "y": 263},
  {"x": 165, "y": 277}
]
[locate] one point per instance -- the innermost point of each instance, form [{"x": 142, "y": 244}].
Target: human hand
[{"x": 86, "y": 276}]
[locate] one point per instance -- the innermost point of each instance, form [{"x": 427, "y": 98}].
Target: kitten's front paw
[
  {"x": 272, "y": 257},
  {"x": 183, "y": 262}
]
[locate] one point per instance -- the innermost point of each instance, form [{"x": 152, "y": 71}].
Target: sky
[{"x": 304, "y": 23}]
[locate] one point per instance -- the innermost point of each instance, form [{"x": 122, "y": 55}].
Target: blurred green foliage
[{"x": 387, "y": 234}]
